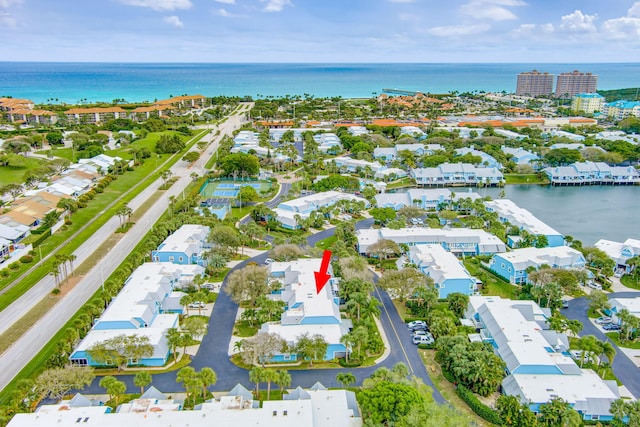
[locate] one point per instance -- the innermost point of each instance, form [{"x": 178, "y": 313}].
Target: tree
[
  {"x": 269, "y": 376},
  {"x": 142, "y": 379},
  {"x": 383, "y": 215},
  {"x": 598, "y": 301},
  {"x": 402, "y": 284},
  {"x": 312, "y": 347},
  {"x": 262, "y": 347},
  {"x": 55, "y": 383},
  {"x": 346, "y": 379},
  {"x": 287, "y": 252},
  {"x": 207, "y": 377},
  {"x": 124, "y": 213},
  {"x": 191, "y": 381},
  {"x": 240, "y": 163},
  {"x": 225, "y": 237},
  {"x": 256, "y": 375},
  {"x": 121, "y": 350},
  {"x": 194, "y": 326},
  {"x": 113, "y": 387},
  {"x": 384, "y": 248},
  {"x": 247, "y": 194},
  {"x": 386, "y": 402},
  {"x": 191, "y": 156},
  {"x": 514, "y": 413},
  {"x": 247, "y": 283},
  {"x": 557, "y": 412},
  {"x": 283, "y": 379},
  {"x": 458, "y": 303}
]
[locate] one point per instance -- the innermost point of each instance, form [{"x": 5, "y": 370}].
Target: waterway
[{"x": 587, "y": 213}]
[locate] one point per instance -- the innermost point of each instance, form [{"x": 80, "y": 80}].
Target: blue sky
[{"x": 320, "y": 30}]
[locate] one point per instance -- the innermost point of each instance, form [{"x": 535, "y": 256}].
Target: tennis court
[{"x": 230, "y": 189}]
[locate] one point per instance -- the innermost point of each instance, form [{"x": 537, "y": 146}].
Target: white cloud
[
  {"x": 4, "y": 4},
  {"x": 578, "y": 22},
  {"x": 226, "y": 1},
  {"x": 6, "y": 20},
  {"x": 275, "y": 5},
  {"x": 634, "y": 10},
  {"x": 495, "y": 10},
  {"x": 159, "y": 4},
  {"x": 458, "y": 30},
  {"x": 222, "y": 12},
  {"x": 173, "y": 20}
]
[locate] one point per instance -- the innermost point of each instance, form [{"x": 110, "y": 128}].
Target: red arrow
[{"x": 321, "y": 276}]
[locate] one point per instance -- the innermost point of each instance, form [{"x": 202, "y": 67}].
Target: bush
[
  {"x": 4, "y": 273},
  {"x": 68, "y": 222},
  {"x": 478, "y": 407},
  {"x": 427, "y": 346},
  {"x": 55, "y": 291},
  {"x": 353, "y": 363},
  {"x": 44, "y": 236},
  {"x": 26, "y": 259},
  {"x": 14, "y": 266}
]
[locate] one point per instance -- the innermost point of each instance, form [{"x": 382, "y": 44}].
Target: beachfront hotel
[
  {"x": 573, "y": 83},
  {"x": 534, "y": 83}
]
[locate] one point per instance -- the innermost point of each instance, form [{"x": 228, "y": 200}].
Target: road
[
  {"x": 213, "y": 351},
  {"x": 23, "y": 350},
  {"x": 623, "y": 368}
]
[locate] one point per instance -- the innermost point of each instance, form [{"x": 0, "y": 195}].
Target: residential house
[
  {"x": 314, "y": 407},
  {"x": 520, "y": 156},
  {"x": 587, "y": 173},
  {"x": 413, "y": 131},
  {"x": 539, "y": 366},
  {"x": 568, "y": 146},
  {"x": 287, "y": 212},
  {"x": 621, "y": 109},
  {"x": 147, "y": 306},
  {"x": 487, "y": 160},
  {"x": 357, "y": 130},
  {"x": 620, "y": 252},
  {"x": 424, "y": 198},
  {"x": 389, "y": 154},
  {"x": 328, "y": 142},
  {"x": 567, "y": 135},
  {"x": 348, "y": 164},
  {"x": 632, "y": 305},
  {"x": 457, "y": 174},
  {"x": 307, "y": 311},
  {"x": 185, "y": 246},
  {"x": 513, "y": 265},
  {"x": 11, "y": 230},
  {"x": 523, "y": 219},
  {"x": 459, "y": 241},
  {"x": 509, "y": 134},
  {"x": 447, "y": 272}
]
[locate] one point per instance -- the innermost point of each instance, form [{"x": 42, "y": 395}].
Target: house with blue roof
[
  {"x": 513, "y": 265},
  {"x": 185, "y": 246},
  {"x": 447, "y": 271},
  {"x": 621, "y": 109},
  {"x": 620, "y": 252},
  {"x": 539, "y": 365},
  {"x": 307, "y": 311}
]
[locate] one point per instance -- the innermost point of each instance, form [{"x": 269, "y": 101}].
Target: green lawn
[
  {"x": 244, "y": 330},
  {"x": 532, "y": 178},
  {"x": 630, "y": 282},
  {"x": 615, "y": 337},
  {"x": 148, "y": 142},
  {"x": 404, "y": 182},
  {"x": 491, "y": 284},
  {"x": 326, "y": 243},
  {"x": 65, "y": 153},
  {"x": 11, "y": 175}
]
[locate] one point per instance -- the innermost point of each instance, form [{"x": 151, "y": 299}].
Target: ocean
[{"x": 135, "y": 82}]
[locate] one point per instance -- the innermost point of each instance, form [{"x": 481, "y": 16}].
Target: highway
[{"x": 23, "y": 350}]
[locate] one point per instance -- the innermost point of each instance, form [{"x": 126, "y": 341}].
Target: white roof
[
  {"x": 291, "y": 333},
  {"x": 188, "y": 239},
  {"x": 520, "y": 217},
  {"x": 12, "y": 232},
  {"x": 587, "y": 391},
  {"x": 517, "y": 328},
  {"x": 560, "y": 256},
  {"x": 631, "y": 304},
  {"x": 440, "y": 264},
  {"x": 327, "y": 198},
  {"x": 156, "y": 335}
]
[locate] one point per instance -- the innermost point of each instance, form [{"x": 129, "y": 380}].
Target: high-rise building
[
  {"x": 570, "y": 84},
  {"x": 534, "y": 83}
]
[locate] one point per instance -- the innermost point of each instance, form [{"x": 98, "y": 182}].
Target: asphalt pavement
[{"x": 623, "y": 368}]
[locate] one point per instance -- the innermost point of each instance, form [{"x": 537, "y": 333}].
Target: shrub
[
  {"x": 478, "y": 407},
  {"x": 4, "y": 273},
  {"x": 14, "y": 266},
  {"x": 68, "y": 222},
  {"x": 55, "y": 291},
  {"x": 353, "y": 363},
  {"x": 427, "y": 346},
  {"x": 26, "y": 259}
]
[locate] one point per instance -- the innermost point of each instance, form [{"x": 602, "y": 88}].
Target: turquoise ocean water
[{"x": 72, "y": 82}]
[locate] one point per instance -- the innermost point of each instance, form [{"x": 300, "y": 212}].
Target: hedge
[
  {"x": 44, "y": 236},
  {"x": 478, "y": 407}
]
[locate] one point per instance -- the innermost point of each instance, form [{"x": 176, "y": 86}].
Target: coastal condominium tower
[
  {"x": 570, "y": 84},
  {"x": 534, "y": 83}
]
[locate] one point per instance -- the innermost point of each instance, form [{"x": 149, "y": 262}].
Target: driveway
[
  {"x": 623, "y": 367},
  {"x": 213, "y": 352}
]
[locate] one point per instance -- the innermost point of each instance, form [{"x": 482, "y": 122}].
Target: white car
[
  {"x": 415, "y": 323},
  {"x": 268, "y": 261},
  {"x": 423, "y": 339},
  {"x": 197, "y": 304},
  {"x": 603, "y": 320},
  {"x": 594, "y": 285}
]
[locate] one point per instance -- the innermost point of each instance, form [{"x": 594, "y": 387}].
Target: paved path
[
  {"x": 623, "y": 367},
  {"x": 23, "y": 350},
  {"x": 213, "y": 352}
]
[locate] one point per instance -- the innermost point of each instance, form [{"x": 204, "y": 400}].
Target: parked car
[
  {"x": 611, "y": 327},
  {"x": 419, "y": 332},
  {"x": 268, "y": 261},
  {"x": 603, "y": 320},
  {"x": 423, "y": 339},
  {"x": 197, "y": 304},
  {"x": 565, "y": 303},
  {"x": 419, "y": 328},
  {"x": 594, "y": 285},
  {"x": 410, "y": 325}
]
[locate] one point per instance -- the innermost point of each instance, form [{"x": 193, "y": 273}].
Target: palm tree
[
  {"x": 283, "y": 379},
  {"x": 208, "y": 378},
  {"x": 256, "y": 375},
  {"x": 270, "y": 376},
  {"x": 346, "y": 379},
  {"x": 71, "y": 258},
  {"x": 142, "y": 379},
  {"x": 173, "y": 336}
]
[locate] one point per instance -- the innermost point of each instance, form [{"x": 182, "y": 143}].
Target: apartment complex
[
  {"x": 575, "y": 82},
  {"x": 534, "y": 83},
  {"x": 587, "y": 102}
]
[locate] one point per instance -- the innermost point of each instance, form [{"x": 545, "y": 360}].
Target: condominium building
[
  {"x": 570, "y": 84},
  {"x": 587, "y": 102},
  {"x": 534, "y": 83}
]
